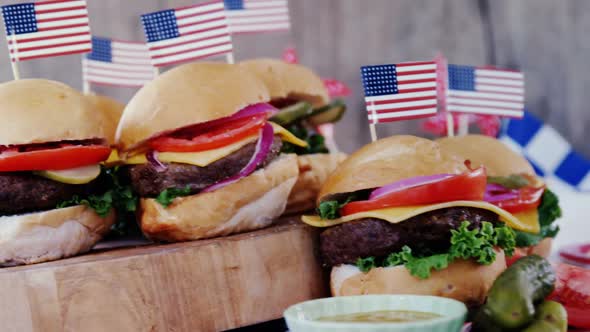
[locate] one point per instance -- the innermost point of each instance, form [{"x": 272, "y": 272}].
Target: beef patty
[
  {"x": 345, "y": 243},
  {"x": 22, "y": 192},
  {"x": 148, "y": 182}
]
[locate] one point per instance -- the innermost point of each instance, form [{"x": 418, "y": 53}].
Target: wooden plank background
[{"x": 547, "y": 39}]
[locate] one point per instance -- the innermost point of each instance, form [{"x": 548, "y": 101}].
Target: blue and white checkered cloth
[{"x": 549, "y": 153}]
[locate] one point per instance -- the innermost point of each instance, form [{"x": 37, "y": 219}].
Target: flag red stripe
[
  {"x": 409, "y": 64},
  {"x": 425, "y": 80},
  {"x": 190, "y": 50},
  {"x": 56, "y": 10},
  {"x": 63, "y": 27},
  {"x": 52, "y": 54},
  {"x": 390, "y": 101},
  {"x": 198, "y": 14},
  {"x": 416, "y": 72},
  {"x": 61, "y": 18},
  {"x": 202, "y": 22},
  {"x": 51, "y": 37},
  {"x": 449, "y": 104},
  {"x": 411, "y": 108},
  {"x": 199, "y": 5},
  {"x": 486, "y": 99},
  {"x": 49, "y": 46},
  {"x": 194, "y": 58},
  {"x": 416, "y": 90},
  {"x": 188, "y": 42}
]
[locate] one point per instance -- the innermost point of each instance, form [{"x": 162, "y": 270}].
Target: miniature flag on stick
[
  {"x": 484, "y": 91},
  {"x": 118, "y": 63},
  {"x": 46, "y": 29},
  {"x": 188, "y": 33},
  {"x": 399, "y": 92},
  {"x": 252, "y": 16}
]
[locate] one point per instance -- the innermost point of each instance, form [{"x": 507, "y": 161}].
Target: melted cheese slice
[
  {"x": 201, "y": 158},
  {"x": 526, "y": 222},
  {"x": 204, "y": 158},
  {"x": 287, "y": 136}
]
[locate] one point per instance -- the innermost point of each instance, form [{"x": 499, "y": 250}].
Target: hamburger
[
  {"x": 202, "y": 156},
  {"x": 53, "y": 203},
  {"x": 402, "y": 215},
  {"x": 304, "y": 104},
  {"x": 514, "y": 186}
]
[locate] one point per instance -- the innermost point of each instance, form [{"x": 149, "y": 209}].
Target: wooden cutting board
[{"x": 209, "y": 285}]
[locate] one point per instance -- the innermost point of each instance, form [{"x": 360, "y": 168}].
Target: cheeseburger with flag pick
[
  {"x": 403, "y": 216},
  {"x": 304, "y": 105},
  {"x": 53, "y": 202},
  {"x": 513, "y": 186},
  {"x": 203, "y": 155}
]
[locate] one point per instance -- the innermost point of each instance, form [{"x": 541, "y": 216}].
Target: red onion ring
[
  {"x": 407, "y": 183},
  {"x": 497, "y": 192},
  {"x": 248, "y": 111},
  {"x": 152, "y": 158},
  {"x": 263, "y": 147}
]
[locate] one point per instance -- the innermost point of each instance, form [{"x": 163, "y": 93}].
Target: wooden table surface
[{"x": 209, "y": 285}]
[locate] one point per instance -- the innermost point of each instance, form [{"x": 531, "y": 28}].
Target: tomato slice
[
  {"x": 214, "y": 138},
  {"x": 65, "y": 157},
  {"x": 528, "y": 199},
  {"x": 469, "y": 186},
  {"x": 572, "y": 289}
]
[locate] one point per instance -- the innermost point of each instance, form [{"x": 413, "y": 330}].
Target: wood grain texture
[
  {"x": 207, "y": 285},
  {"x": 545, "y": 38}
]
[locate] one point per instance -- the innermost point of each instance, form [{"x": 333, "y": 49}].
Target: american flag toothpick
[
  {"x": 188, "y": 33},
  {"x": 118, "y": 63},
  {"x": 46, "y": 29},
  {"x": 399, "y": 92},
  {"x": 253, "y": 16},
  {"x": 484, "y": 91}
]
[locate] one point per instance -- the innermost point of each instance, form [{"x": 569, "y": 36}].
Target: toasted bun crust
[
  {"x": 251, "y": 203},
  {"x": 314, "y": 169},
  {"x": 40, "y": 111},
  {"x": 465, "y": 281},
  {"x": 186, "y": 95},
  {"x": 286, "y": 80},
  {"x": 111, "y": 110},
  {"x": 388, "y": 160},
  {"x": 498, "y": 158},
  {"x": 50, "y": 235}
]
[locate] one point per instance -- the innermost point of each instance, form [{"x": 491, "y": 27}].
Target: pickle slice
[{"x": 79, "y": 175}]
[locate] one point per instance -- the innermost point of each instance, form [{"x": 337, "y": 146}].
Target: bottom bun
[
  {"x": 251, "y": 203},
  {"x": 314, "y": 169},
  {"x": 50, "y": 235},
  {"x": 465, "y": 281}
]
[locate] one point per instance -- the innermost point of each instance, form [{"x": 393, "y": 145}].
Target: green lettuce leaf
[
  {"x": 101, "y": 204},
  {"x": 549, "y": 211},
  {"x": 166, "y": 197},
  {"x": 315, "y": 141},
  {"x": 476, "y": 244},
  {"x": 366, "y": 264},
  {"x": 331, "y": 209}
]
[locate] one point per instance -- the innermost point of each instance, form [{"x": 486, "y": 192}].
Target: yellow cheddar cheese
[{"x": 525, "y": 222}]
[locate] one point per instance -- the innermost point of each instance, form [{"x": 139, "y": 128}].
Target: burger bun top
[
  {"x": 481, "y": 150},
  {"x": 287, "y": 80},
  {"x": 41, "y": 111},
  {"x": 187, "y": 95},
  {"x": 389, "y": 160}
]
